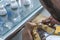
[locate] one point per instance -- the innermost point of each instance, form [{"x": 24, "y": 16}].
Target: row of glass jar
[{"x": 11, "y": 14}]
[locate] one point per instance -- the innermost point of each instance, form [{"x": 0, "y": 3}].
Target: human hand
[{"x": 27, "y": 31}]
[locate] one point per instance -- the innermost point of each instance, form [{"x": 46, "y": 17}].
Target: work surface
[{"x": 44, "y": 14}]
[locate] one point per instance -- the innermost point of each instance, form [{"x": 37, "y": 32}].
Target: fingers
[
  {"x": 30, "y": 35},
  {"x": 26, "y": 35},
  {"x": 50, "y": 20},
  {"x": 30, "y": 25},
  {"x": 54, "y": 21}
]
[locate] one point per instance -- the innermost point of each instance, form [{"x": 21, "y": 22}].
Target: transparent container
[
  {"x": 3, "y": 17},
  {"x": 15, "y": 11},
  {"x": 5, "y": 24}
]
